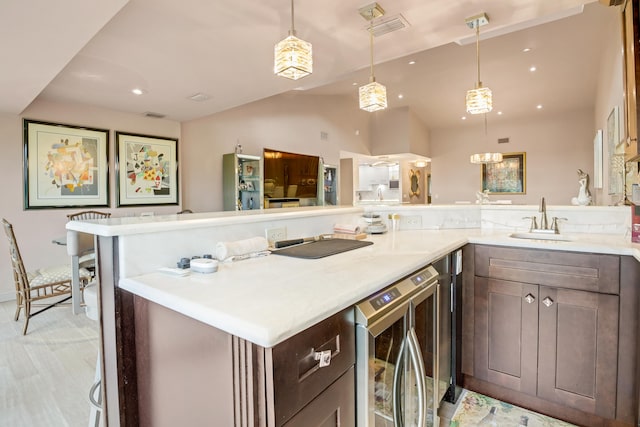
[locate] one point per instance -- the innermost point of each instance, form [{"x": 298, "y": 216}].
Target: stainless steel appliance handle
[
  {"x": 397, "y": 393},
  {"x": 418, "y": 363}
]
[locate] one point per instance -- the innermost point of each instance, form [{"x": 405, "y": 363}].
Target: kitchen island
[{"x": 265, "y": 301}]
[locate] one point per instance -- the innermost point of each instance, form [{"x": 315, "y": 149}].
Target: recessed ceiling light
[
  {"x": 400, "y": 96},
  {"x": 526, "y": 49},
  {"x": 499, "y": 113},
  {"x": 137, "y": 91},
  {"x": 354, "y": 84},
  {"x": 539, "y": 106},
  {"x": 532, "y": 68},
  {"x": 412, "y": 62},
  {"x": 464, "y": 117}
]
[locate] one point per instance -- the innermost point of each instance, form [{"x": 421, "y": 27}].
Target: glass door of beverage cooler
[{"x": 397, "y": 356}]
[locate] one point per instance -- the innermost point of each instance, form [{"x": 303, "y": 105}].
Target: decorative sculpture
[
  {"x": 584, "y": 196},
  {"x": 414, "y": 177}
]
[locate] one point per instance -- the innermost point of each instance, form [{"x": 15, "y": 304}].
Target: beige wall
[
  {"x": 397, "y": 131},
  {"x": 556, "y": 147},
  {"x": 35, "y": 229}
]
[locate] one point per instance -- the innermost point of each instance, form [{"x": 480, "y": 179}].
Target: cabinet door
[
  {"x": 506, "y": 333},
  {"x": 334, "y": 407},
  {"x": 578, "y": 349}
]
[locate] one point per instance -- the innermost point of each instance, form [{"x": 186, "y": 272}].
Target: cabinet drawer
[
  {"x": 334, "y": 407},
  {"x": 572, "y": 270},
  {"x": 297, "y": 375}
]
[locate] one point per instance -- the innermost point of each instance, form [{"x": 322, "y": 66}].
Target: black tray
[{"x": 321, "y": 248}]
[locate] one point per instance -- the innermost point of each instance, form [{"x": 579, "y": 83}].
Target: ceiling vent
[
  {"x": 199, "y": 97},
  {"x": 389, "y": 25},
  {"x": 155, "y": 115}
]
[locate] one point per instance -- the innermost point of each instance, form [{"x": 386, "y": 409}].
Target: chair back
[
  {"x": 79, "y": 216},
  {"x": 19, "y": 273}
]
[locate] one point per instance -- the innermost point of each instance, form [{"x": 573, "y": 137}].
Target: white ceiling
[{"x": 94, "y": 52}]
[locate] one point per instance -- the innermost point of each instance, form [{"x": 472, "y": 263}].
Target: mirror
[
  {"x": 566, "y": 82},
  {"x": 290, "y": 179}
]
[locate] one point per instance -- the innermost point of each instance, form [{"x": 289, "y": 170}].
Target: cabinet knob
[
  {"x": 547, "y": 301},
  {"x": 529, "y": 298}
]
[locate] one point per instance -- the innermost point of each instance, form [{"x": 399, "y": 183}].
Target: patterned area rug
[{"x": 473, "y": 407}]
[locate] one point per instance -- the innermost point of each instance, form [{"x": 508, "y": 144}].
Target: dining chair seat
[{"x": 51, "y": 275}]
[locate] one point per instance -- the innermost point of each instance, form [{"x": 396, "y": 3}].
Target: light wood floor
[{"x": 45, "y": 375}]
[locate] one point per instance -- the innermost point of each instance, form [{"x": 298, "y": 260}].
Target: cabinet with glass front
[{"x": 241, "y": 182}]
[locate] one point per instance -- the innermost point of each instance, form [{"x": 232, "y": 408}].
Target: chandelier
[
  {"x": 293, "y": 58},
  {"x": 372, "y": 96},
  {"x": 479, "y": 99}
]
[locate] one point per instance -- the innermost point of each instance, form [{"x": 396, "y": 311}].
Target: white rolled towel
[
  {"x": 241, "y": 248},
  {"x": 346, "y": 228}
]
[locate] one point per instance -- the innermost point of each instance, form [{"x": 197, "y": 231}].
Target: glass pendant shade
[
  {"x": 373, "y": 97},
  {"x": 293, "y": 58},
  {"x": 484, "y": 158},
  {"x": 479, "y": 100}
]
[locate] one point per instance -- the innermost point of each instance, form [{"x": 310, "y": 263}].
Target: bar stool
[{"x": 92, "y": 311}]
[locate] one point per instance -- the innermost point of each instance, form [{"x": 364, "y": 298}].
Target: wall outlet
[
  {"x": 275, "y": 234},
  {"x": 410, "y": 222}
]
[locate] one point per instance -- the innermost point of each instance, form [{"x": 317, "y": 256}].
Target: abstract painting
[
  {"x": 147, "y": 169},
  {"x": 65, "y": 166}
]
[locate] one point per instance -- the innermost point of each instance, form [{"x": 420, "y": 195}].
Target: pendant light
[
  {"x": 485, "y": 158},
  {"x": 479, "y": 100},
  {"x": 372, "y": 96},
  {"x": 293, "y": 58}
]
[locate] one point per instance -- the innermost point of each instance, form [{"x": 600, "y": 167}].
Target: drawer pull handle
[
  {"x": 547, "y": 301},
  {"x": 324, "y": 357},
  {"x": 529, "y": 298}
]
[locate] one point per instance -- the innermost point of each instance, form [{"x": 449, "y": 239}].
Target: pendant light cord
[
  {"x": 293, "y": 29},
  {"x": 478, "y": 50},
  {"x": 372, "y": 78}
]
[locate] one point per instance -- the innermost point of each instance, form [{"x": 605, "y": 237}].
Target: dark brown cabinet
[
  {"x": 549, "y": 330},
  {"x": 557, "y": 344}
]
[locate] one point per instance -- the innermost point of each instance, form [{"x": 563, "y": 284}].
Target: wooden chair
[
  {"x": 79, "y": 216},
  {"x": 185, "y": 211},
  {"x": 87, "y": 259},
  {"x": 32, "y": 288}
]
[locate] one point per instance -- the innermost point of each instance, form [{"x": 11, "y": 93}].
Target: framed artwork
[
  {"x": 147, "y": 170},
  {"x": 597, "y": 159},
  {"x": 508, "y": 176},
  {"x": 65, "y": 166}
]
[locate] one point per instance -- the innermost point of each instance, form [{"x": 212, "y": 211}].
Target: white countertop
[{"x": 267, "y": 300}]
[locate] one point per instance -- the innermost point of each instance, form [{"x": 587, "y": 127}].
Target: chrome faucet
[{"x": 544, "y": 222}]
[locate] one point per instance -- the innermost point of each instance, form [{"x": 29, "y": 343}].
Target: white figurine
[
  {"x": 482, "y": 197},
  {"x": 584, "y": 196}
]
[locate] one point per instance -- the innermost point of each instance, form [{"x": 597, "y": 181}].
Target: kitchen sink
[{"x": 541, "y": 236}]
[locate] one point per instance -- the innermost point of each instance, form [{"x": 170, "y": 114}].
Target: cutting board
[{"x": 321, "y": 248}]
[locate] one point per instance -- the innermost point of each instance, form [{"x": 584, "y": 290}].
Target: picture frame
[
  {"x": 64, "y": 165},
  {"x": 146, "y": 170},
  {"x": 506, "y": 177},
  {"x": 598, "y": 166}
]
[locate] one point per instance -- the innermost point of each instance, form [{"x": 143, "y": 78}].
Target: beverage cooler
[
  {"x": 242, "y": 182},
  {"x": 408, "y": 348},
  {"x": 397, "y": 354}
]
